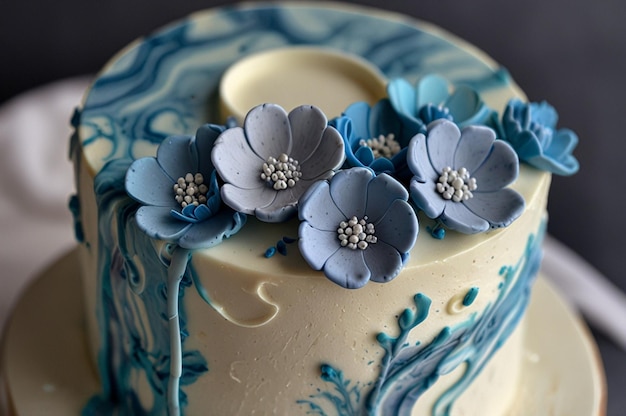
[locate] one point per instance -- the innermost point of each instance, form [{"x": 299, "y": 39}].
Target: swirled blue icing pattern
[
  {"x": 126, "y": 292},
  {"x": 408, "y": 370},
  {"x": 167, "y": 84}
]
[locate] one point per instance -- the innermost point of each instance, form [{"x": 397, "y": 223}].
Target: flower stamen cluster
[
  {"x": 281, "y": 173},
  {"x": 383, "y": 146},
  {"x": 190, "y": 190},
  {"x": 456, "y": 185},
  {"x": 356, "y": 233}
]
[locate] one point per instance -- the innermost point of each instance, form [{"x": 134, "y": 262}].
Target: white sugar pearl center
[
  {"x": 282, "y": 172},
  {"x": 456, "y": 185},
  {"x": 383, "y": 146},
  {"x": 190, "y": 190},
  {"x": 356, "y": 234}
]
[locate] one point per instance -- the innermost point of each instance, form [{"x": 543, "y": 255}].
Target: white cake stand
[{"x": 46, "y": 369}]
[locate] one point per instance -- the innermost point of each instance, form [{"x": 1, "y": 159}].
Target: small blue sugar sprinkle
[
  {"x": 270, "y": 252},
  {"x": 282, "y": 247}
]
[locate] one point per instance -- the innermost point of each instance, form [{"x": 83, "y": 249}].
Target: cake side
[
  {"x": 467, "y": 293},
  {"x": 249, "y": 300}
]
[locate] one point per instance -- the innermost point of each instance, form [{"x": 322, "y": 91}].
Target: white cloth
[{"x": 36, "y": 180}]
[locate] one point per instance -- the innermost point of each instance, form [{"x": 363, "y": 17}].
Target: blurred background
[{"x": 571, "y": 53}]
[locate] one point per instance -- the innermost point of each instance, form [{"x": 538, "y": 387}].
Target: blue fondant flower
[
  {"x": 357, "y": 227},
  {"x": 269, "y": 163},
  {"x": 430, "y": 100},
  {"x": 531, "y": 130},
  {"x": 461, "y": 177},
  {"x": 179, "y": 192},
  {"x": 373, "y": 137}
]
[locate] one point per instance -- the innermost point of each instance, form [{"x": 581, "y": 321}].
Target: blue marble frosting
[{"x": 167, "y": 84}]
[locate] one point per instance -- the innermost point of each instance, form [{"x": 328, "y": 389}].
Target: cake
[{"x": 385, "y": 271}]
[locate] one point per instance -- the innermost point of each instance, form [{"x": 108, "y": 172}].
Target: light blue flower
[
  {"x": 374, "y": 138},
  {"x": 531, "y": 130},
  {"x": 182, "y": 162},
  {"x": 430, "y": 99},
  {"x": 461, "y": 177},
  {"x": 269, "y": 163},
  {"x": 357, "y": 227}
]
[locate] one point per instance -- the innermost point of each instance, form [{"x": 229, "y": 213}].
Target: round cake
[{"x": 387, "y": 271}]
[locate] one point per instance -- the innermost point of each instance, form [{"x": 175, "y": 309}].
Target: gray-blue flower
[
  {"x": 461, "y": 177},
  {"x": 357, "y": 227},
  {"x": 531, "y": 130},
  {"x": 269, "y": 163},
  {"x": 179, "y": 192}
]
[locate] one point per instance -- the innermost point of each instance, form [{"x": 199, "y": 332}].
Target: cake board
[{"x": 46, "y": 368}]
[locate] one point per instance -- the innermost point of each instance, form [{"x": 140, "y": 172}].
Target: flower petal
[
  {"x": 466, "y": 107},
  {"x": 474, "y": 147},
  {"x": 568, "y": 165},
  {"x": 235, "y": 161},
  {"x": 347, "y": 268},
  {"x": 398, "y": 227},
  {"x": 365, "y": 155},
  {"x": 384, "y": 120},
  {"x": 499, "y": 208},
  {"x": 268, "y": 131},
  {"x": 544, "y": 114},
  {"x": 348, "y": 189},
  {"x": 563, "y": 144},
  {"x": 432, "y": 89},
  {"x": 175, "y": 156},
  {"x": 383, "y": 165},
  {"x": 383, "y": 261},
  {"x": 158, "y": 223},
  {"x": 402, "y": 96},
  {"x": 458, "y": 217},
  {"x": 418, "y": 161},
  {"x": 147, "y": 183},
  {"x": 212, "y": 231},
  {"x": 329, "y": 155},
  {"x": 382, "y": 191},
  {"x": 307, "y": 126},
  {"x": 359, "y": 113},
  {"x": 442, "y": 140},
  {"x": 318, "y": 208},
  {"x": 283, "y": 206},
  {"x": 317, "y": 245},
  {"x": 247, "y": 200},
  {"x": 426, "y": 198},
  {"x": 526, "y": 144},
  {"x": 205, "y": 139},
  {"x": 500, "y": 169}
]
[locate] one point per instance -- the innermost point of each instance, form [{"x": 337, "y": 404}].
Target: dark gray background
[{"x": 571, "y": 53}]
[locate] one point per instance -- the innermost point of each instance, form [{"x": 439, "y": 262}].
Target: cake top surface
[{"x": 167, "y": 83}]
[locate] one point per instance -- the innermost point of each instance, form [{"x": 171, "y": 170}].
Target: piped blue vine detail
[
  {"x": 470, "y": 296},
  {"x": 408, "y": 370},
  {"x": 134, "y": 343},
  {"x": 345, "y": 398}
]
